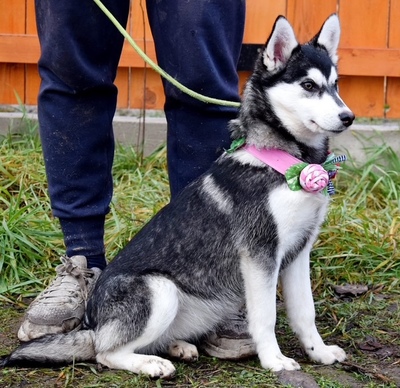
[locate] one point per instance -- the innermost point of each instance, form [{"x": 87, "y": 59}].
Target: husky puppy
[{"x": 229, "y": 235}]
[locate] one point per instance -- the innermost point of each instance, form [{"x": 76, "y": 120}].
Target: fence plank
[
  {"x": 32, "y": 84},
  {"x": 369, "y": 62},
  {"x": 364, "y": 23},
  {"x": 366, "y": 95},
  {"x": 307, "y": 16},
  {"x": 12, "y": 82},
  {"x": 363, "y": 95},
  {"x": 393, "y": 84},
  {"x": 12, "y": 17},
  {"x": 122, "y": 83},
  {"x": 139, "y": 26},
  {"x": 130, "y": 58},
  {"x": 32, "y": 79},
  {"x": 12, "y": 21},
  {"x": 30, "y": 18},
  {"x": 19, "y": 48},
  {"x": 260, "y": 17},
  {"x": 146, "y": 92}
]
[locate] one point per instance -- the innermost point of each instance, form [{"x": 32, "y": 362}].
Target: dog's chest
[{"x": 297, "y": 214}]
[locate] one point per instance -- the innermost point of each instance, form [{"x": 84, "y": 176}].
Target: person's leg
[
  {"x": 198, "y": 42},
  {"x": 80, "y": 50}
]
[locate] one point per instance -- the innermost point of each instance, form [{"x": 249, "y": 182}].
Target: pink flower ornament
[{"x": 314, "y": 178}]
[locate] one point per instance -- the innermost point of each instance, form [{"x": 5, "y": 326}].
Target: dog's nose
[{"x": 347, "y": 118}]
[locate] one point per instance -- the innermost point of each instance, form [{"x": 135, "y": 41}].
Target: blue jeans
[{"x": 197, "y": 41}]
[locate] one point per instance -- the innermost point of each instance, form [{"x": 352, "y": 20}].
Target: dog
[{"x": 228, "y": 237}]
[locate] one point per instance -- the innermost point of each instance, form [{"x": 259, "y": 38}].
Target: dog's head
[{"x": 293, "y": 89}]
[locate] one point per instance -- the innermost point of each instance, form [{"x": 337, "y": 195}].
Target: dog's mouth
[
  {"x": 317, "y": 128},
  {"x": 337, "y": 131}
]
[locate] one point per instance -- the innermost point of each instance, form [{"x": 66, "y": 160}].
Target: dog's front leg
[
  {"x": 260, "y": 287},
  {"x": 299, "y": 303}
]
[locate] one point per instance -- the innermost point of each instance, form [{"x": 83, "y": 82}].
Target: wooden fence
[{"x": 369, "y": 53}]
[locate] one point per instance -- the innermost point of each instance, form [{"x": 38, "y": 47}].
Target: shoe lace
[{"x": 68, "y": 268}]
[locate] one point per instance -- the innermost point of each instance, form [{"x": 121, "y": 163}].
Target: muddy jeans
[{"x": 197, "y": 41}]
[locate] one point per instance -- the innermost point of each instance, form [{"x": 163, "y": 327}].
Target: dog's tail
[{"x": 53, "y": 350}]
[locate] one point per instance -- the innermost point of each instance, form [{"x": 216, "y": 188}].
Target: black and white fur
[{"x": 229, "y": 236}]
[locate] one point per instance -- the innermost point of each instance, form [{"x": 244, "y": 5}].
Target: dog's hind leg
[
  {"x": 184, "y": 351},
  {"x": 124, "y": 358},
  {"x": 164, "y": 306},
  {"x": 260, "y": 288},
  {"x": 300, "y": 309}
]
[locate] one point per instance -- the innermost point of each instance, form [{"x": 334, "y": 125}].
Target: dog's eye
[{"x": 309, "y": 85}]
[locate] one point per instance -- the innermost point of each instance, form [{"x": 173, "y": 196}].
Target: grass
[
  {"x": 30, "y": 238},
  {"x": 359, "y": 243},
  {"x": 360, "y": 239}
]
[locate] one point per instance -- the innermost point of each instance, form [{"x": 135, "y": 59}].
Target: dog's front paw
[
  {"x": 278, "y": 362},
  {"x": 183, "y": 351},
  {"x": 327, "y": 354},
  {"x": 157, "y": 367}
]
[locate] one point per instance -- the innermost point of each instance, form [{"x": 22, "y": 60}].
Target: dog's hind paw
[
  {"x": 279, "y": 362},
  {"x": 183, "y": 351},
  {"x": 327, "y": 354}
]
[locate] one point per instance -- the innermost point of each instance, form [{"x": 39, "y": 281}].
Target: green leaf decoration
[
  {"x": 328, "y": 166},
  {"x": 236, "y": 144},
  {"x": 330, "y": 158},
  {"x": 292, "y": 175},
  {"x": 331, "y": 162}
]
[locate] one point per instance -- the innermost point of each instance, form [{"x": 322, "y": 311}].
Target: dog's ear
[
  {"x": 329, "y": 36},
  {"x": 279, "y": 46}
]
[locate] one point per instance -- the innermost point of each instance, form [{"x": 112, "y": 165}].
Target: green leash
[{"x": 158, "y": 69}]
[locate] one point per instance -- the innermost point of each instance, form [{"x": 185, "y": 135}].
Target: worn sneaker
[
  {"x": 61, "y": 306},
  {"x": 230, "y": 340}
]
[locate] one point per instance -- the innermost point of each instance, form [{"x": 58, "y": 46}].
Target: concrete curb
[{"x": 132, "y": 130}]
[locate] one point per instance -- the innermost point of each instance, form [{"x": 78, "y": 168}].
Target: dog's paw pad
[
  {"x": 183, "y": 351},
  {"x": 279, "y": 362},
  {"x": 327, "y": 354}
]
